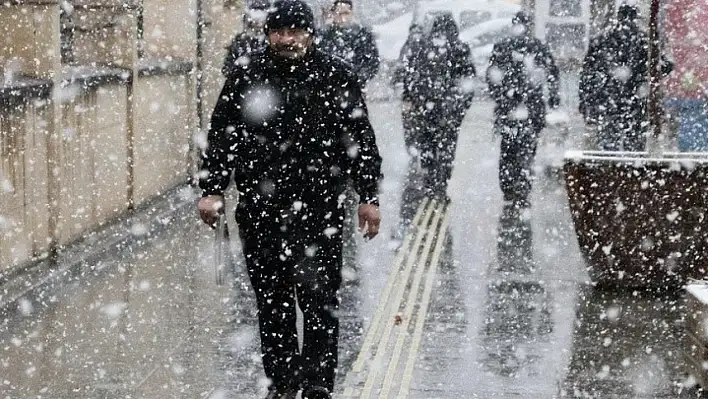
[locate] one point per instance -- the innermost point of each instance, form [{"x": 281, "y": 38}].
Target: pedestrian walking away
[
  {"x": 614, "y": 84},
  {"x": 353, "y": 43},
  {"x": 404, "y": 75},
  {"x": 350, "y": 41},
  {"x": 436, "y": 97},
  {"x": 519, "y": 68},
  {"x": 293, "y": 128}
]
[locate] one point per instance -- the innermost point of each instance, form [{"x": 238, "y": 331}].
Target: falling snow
[{"x": 542, "y": 200}]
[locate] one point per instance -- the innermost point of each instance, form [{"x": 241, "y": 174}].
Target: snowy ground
[{"x": 147, "y": 320}]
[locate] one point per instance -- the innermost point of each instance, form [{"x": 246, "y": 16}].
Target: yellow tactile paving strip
[{"x": 385, "y": 365}]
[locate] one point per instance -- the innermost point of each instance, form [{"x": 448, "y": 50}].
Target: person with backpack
[
  {"x": 519, "y": 68},
  {"x": 613, "y": 87},
  {"x": 437, "y": 95}
]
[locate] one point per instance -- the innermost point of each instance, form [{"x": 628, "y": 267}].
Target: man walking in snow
[
  {"x": 614, "y": 84},
  {"x": 355, "y": 45},
  {"x": 519, "y": 68},
  {"x": 437, "y": 95},
  {"x": 293, "y": 128},
  {"x": 350, "y": 41}
]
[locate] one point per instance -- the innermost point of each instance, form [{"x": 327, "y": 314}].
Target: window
[
  {"x": 89, "y": 30},
  {"x": 566, "y": 8}
]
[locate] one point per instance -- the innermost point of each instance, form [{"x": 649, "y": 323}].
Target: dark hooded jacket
[
  {"x": 355, "y": 45},
  {"x": 615, "y": 69},
  {"x": 413, "y": 42},
  {"x": 291, "y": 131},
  {"x": 519, "y": 68},
  {"x": 410, "y": 48},
  {"x": 434, "y": 69}
]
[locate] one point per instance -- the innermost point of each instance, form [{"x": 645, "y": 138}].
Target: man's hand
[
  {"x": 210, "y": 207},
  {"x": 369, "y": 220}
]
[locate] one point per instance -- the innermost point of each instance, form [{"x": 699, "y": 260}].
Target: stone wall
[{"x": 98, "y": 111}]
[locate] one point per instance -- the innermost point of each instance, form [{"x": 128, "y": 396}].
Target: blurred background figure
[
  {"x": 415, "y": 37},
  {"x": 354, "y": 43},
  {"x": 519, "y": 68},
  {"x": 686, "y": 88},
  {"x": 614, "y": 87},
  {"x": 436, "y": 98},
  {"x": 251, "y": 38},
  {"x": 405, "y": 75}
]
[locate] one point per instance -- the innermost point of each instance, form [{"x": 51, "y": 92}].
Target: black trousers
[
  {"x": 519, "y": 143},
  {"x": 439, "y": 132},
  {"x": 412, "y": 126},
  {"x": 623, "y": 129},
  {"x": 291, "y": 259}
]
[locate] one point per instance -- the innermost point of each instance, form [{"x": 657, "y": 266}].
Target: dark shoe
[
  {"x": 316, "y": 393},
  {"x": 517, "y": 202},
  {"x": 273, "y": 394},
  {"x": 522, "y": 203},
  {"x": 438, "y": 193}
]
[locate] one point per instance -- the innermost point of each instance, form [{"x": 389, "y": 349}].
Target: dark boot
[
  {"x": 274, "y": 394},
  {"x": 315, "y": 392}
]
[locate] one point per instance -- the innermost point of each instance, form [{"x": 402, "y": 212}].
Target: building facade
[{"x": 101, "y": 104}]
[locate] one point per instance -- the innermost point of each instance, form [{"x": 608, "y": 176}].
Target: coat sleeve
[
  {"x": 370, "y": 54},
  {"x": 585, "y": 85},
  {"x": 552, "y": 77},
  {"x": 465, "y": 66},
  {"x": 219, "y": 156},
  {"x": 324, "y": 39},
  {"x": 231, "y": 56},
  {"x": 495, "y": 74},
  {"x": 361, "y": 148},
  {"x": 463, "y": 70},
  {"x": 406, "y": 68},
  {"x": 592, "y": 77}
]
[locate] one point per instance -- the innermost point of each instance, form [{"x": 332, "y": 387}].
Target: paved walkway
[{"x": 476, "y": 300}]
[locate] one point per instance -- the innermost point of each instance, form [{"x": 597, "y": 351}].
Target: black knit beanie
[
  {"x": 627, "y": 13},
  {"x": 349, "y": 3},
  {"x": 290, "y": 14}
]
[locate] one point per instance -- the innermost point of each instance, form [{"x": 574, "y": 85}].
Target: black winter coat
[
  {"x": 433, "y": 70},
  {"x": 519, "y": 68},
  {"x": 238, "y": 52},
  {"x": 615, "y": 70},
  {"x": 291, "y": 132},
  {"x": 411, "y": 48},
  {"x": 355, "y": 45}
]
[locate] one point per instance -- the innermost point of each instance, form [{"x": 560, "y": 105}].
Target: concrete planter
[
  {"x": 695, "y": 345},
  {"x": 640, "y": 221}
]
